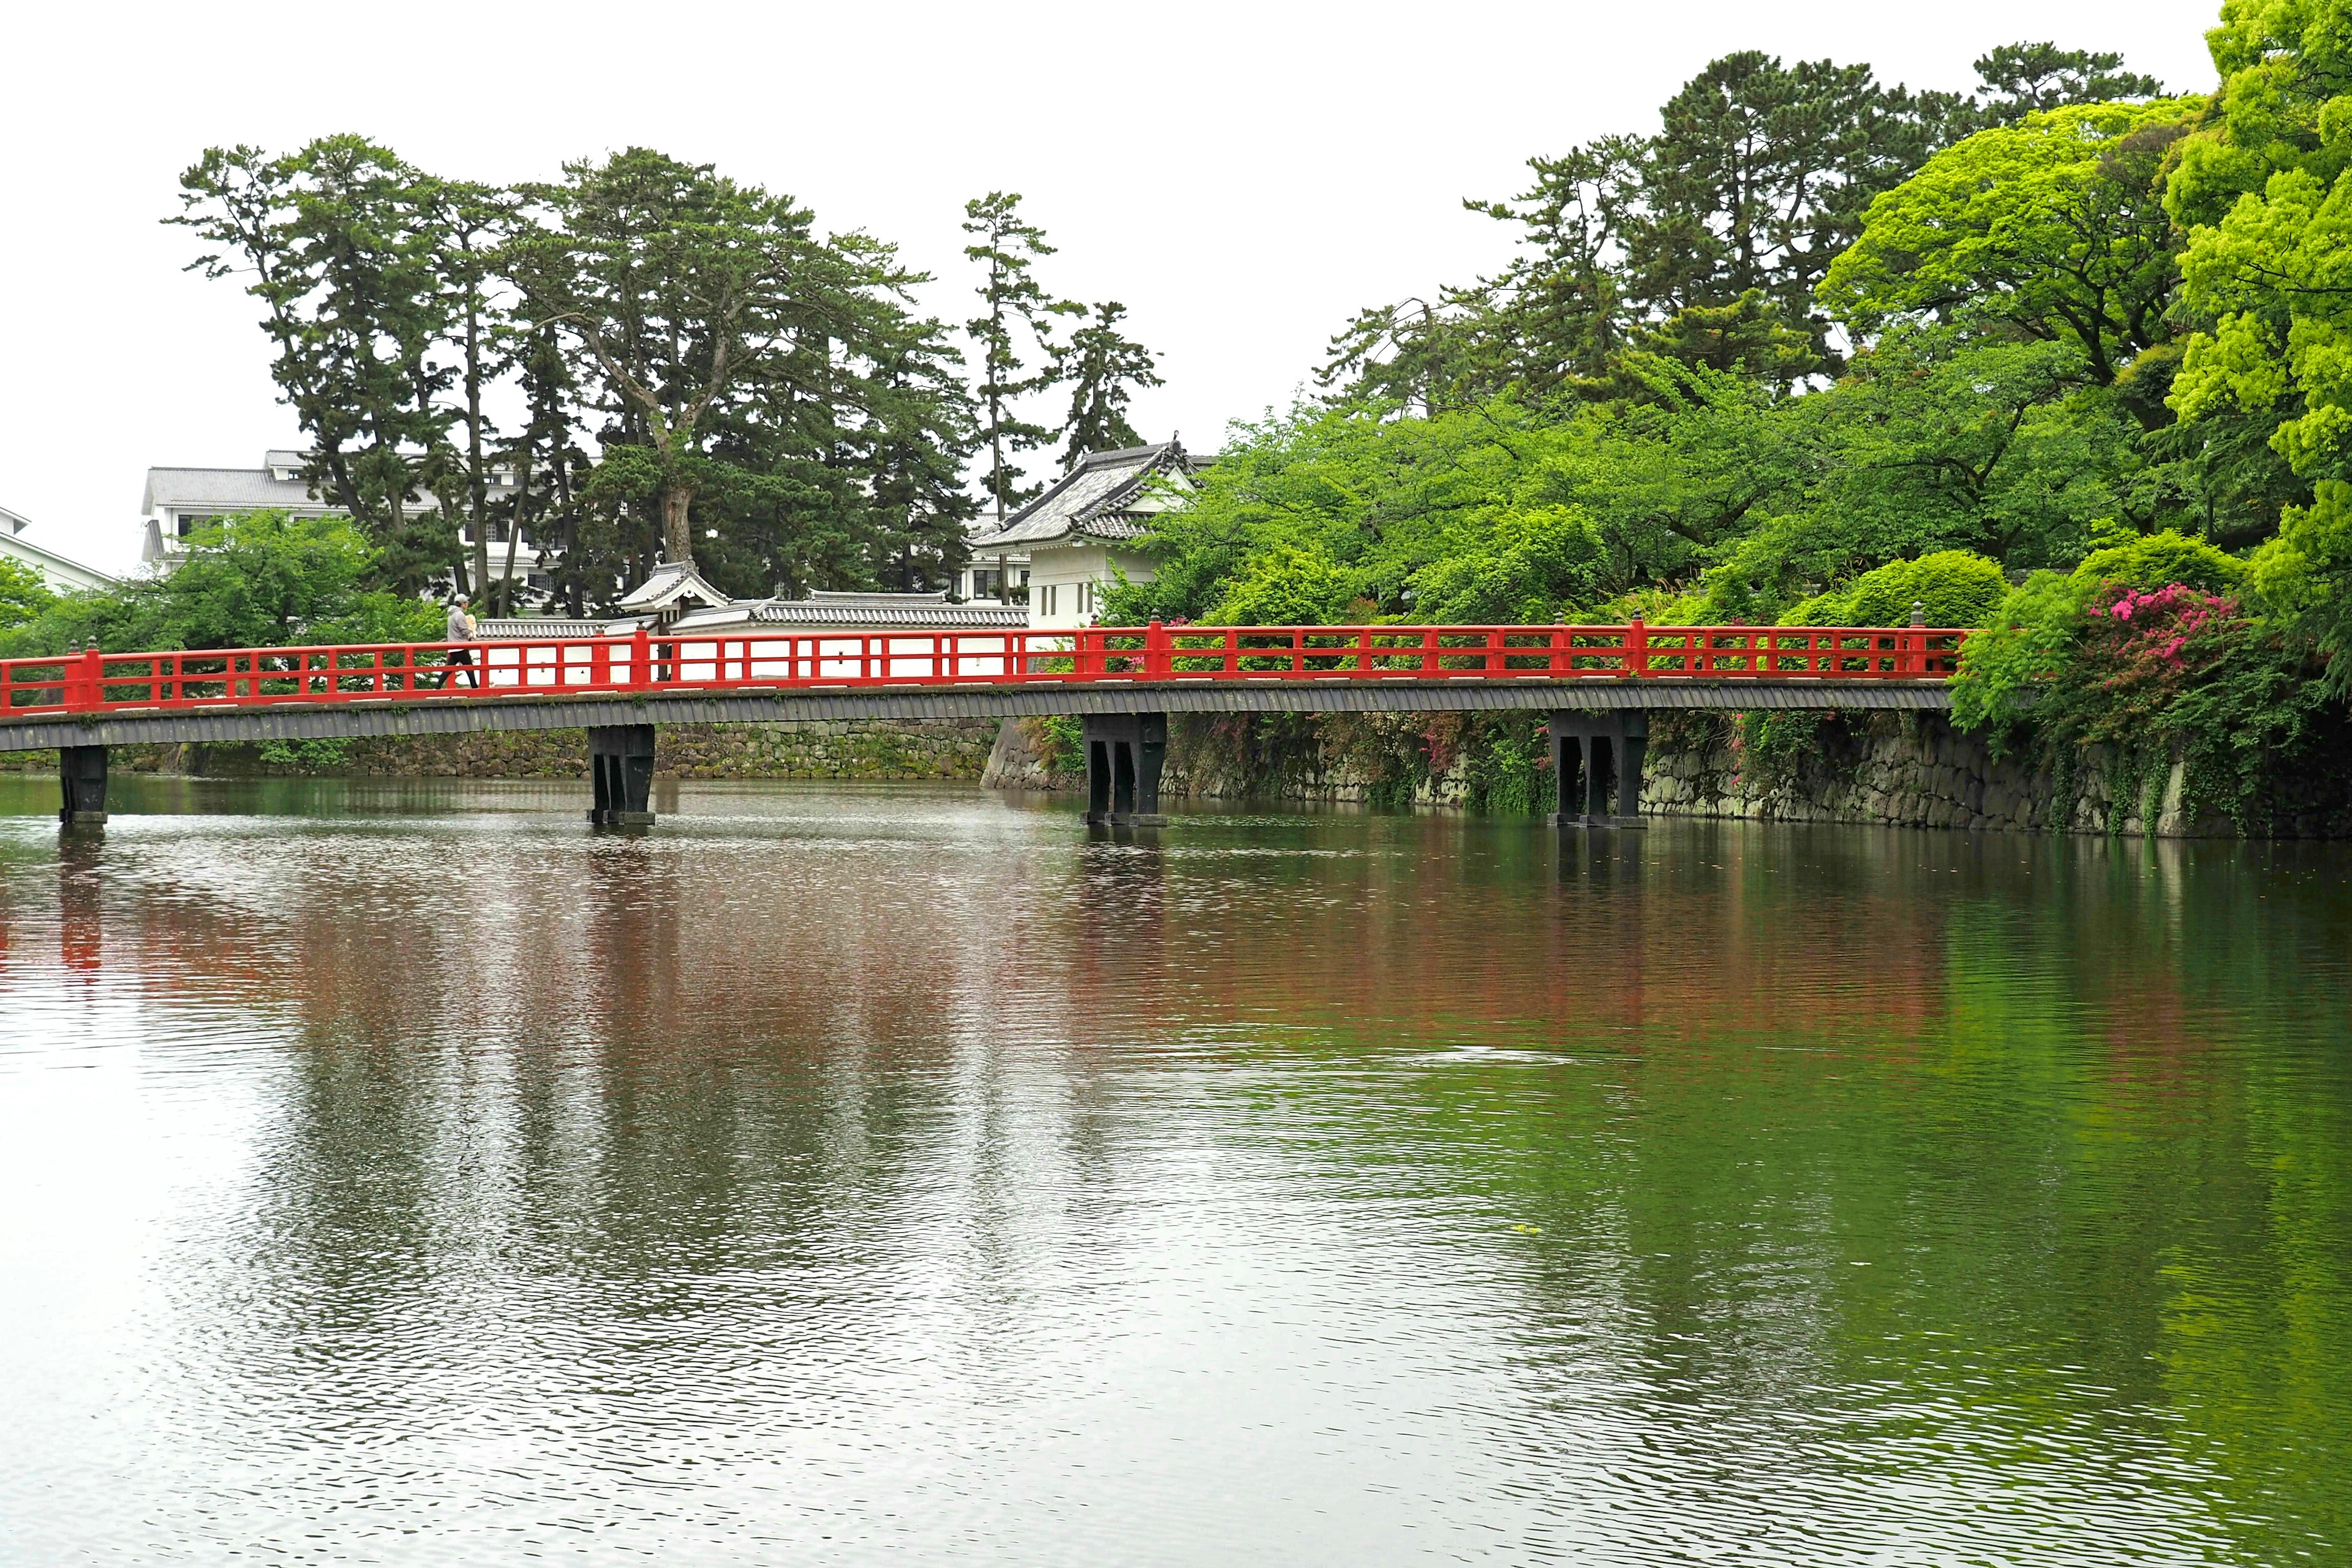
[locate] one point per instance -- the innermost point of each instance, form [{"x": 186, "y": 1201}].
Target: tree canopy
[{"x": 643, "y": 360}]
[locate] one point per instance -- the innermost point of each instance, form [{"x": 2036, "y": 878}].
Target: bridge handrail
[{"x": 198, "y": 678}]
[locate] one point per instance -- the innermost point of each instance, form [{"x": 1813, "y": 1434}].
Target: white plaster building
[
  {"x": 61, "y": 573},
  {"x": 1002, "y": 578},
  {"x": 1077, "y": 536},
  {"x": 179, "y": 501}
]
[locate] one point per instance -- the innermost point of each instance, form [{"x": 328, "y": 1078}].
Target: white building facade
[
  {"x": 1079, "y": 537},
  {"x": 61, "y": 573},
  {"x": 179, "y": 501}
]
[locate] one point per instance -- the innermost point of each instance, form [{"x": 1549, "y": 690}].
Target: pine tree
[
  {"x": 1017, "y": 307},
  {"x": 1103, "y": 368}
]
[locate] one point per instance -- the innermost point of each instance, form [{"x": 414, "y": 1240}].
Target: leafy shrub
[
  {"x": 1531, "y": 568},
  {"x": 2160, "y": 560},
  {"x": 2147, "y": 671},
  {"x": 319, "y": 755},
  {"x": 1768, "y": 748},
  {"x": 1065, "y": 744},
  {"x": 1286, "y": 587},
  {"x": 1958, "y": 587},
  {"x": 2136, "y": 653},
  {"x": 2026, "y": 643}
]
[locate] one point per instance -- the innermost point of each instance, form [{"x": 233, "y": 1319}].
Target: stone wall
[
  {"x": 122, "y": 759},
  {"x": 1420, "y": 759},
  {"x": 1910, "y": 770},
  {"x": 827, "y": 749},
  {"x": 1892, "y": 769}
]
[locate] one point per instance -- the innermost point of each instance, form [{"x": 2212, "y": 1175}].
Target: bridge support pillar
[
  {"x": 621, "y": 765},
  {"x": 1596, "y": 755},
  {"x": 1124, "y": 754},
  {"x": 83, "y": 772}
]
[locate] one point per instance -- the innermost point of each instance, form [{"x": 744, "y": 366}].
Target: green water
[{"x": 407, "y": 1174}]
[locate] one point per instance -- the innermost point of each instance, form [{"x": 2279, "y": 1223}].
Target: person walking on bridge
[{"x": 461, "y": 629}]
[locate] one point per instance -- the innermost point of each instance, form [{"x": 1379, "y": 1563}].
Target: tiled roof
[
  {"x": 1095, "y": 498},
  {"x": 670, "y": 582},
  {"x": 231, "y": 490},
  {"x": 852, "y": 612},
  {"x": 539, "y": 628}
]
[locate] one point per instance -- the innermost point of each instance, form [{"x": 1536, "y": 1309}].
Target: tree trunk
[
  {"x": 514, "y": 538},
  {"x": 677, "y": 536}
]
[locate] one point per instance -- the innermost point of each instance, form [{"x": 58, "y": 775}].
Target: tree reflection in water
[{"x": 857, "y": 1171}]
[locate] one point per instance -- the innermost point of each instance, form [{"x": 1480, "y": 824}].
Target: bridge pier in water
[
  {"x": 1125, "y": 755},
  {"x": 81, "y": 770},
  {"x": 621, "y": 766},
  {"x": 1596, "y": 755}
]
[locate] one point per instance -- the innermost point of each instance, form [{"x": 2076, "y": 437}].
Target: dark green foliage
[
  {"x": 306, "y": 756},
  {"x": 2020, "y": 80},
  {"x": 1771, "y": 749},
  {"x": 1065, "y": 744},
  {"x": 1016, "y": 319},
  {"x": 1103, "y": 370},
  {"x": 762, "y": 399},
  {"x": 345, "y": 245},
  {"x": 1705, "y": 241}
]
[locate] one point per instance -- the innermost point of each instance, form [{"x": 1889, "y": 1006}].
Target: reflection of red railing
[{"x": 580, "y": 667}]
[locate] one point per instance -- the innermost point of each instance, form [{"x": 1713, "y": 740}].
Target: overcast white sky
[{"x": 1242, "y": 175}]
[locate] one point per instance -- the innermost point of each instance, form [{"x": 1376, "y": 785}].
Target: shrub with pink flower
[{"x": 2142, "y": 649}]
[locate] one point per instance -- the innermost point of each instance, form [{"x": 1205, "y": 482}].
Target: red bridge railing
[{"x": 93, "y": 683}]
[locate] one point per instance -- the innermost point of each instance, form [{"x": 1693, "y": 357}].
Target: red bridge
[{"x": 1599, "y": 682}]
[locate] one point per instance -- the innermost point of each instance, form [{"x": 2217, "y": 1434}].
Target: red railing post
[
  {"x": 640, "y": 659},
  {"x": 1156, "y": 663},
  {"x": 1637, "y": 648},
  {"x": 90, "y": 691}
]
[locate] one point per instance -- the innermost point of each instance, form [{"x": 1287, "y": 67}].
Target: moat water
[{"x": 405, "y": 1173}]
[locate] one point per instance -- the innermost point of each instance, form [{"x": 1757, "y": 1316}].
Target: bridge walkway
[{"x": 1597, "y": 683}]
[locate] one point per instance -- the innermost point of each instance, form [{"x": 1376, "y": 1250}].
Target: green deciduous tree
[
  {"x": 2055, "y": 226},
  {"x": 259, "y": 579},
  {"x": 2264, "y": 187},
  {"x": 25, "y": 593}
]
